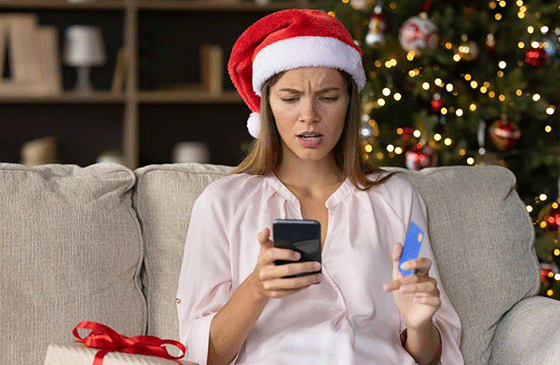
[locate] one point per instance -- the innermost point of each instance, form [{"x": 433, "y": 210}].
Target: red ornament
[
  {"x": 536, "y": 57},
  {"x": 421, "y": 156},
  {"x": 418, "y": 33},
  {"x": 504, "y": 134},
  {"x": 544, "y": 275},
  {"x": 376, "y": 27},
  {"x": 553, "y": 220},
  {"x": 550, "y": 214},
  {"x": 408, "y": 133},
  {"x": 436, "y": 104},
  {"x": 490, "y": 44}
]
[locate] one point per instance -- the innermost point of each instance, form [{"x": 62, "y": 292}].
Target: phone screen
[{"x": 303, "y": 236}]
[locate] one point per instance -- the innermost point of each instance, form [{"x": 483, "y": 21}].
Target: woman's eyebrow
[
  {"x": 320, "y": 91},
  {"x": 328, "y": 89},
  {"x": 290, "y": 90}
]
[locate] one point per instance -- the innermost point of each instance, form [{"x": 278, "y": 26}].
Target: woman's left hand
[{"x": 417, "y": 295}]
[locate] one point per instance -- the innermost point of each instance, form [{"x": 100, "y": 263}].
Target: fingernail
[
  {"x": 297, "y": 256},
  {"x": 405, "y": 266},
  {"x": 317, "y": 265},
  {"x": 386, "y": 287}
]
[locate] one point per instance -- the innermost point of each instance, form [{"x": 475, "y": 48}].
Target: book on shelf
[
  {"x": 121, "y": 68},
  {"x": 3, "y": 45},
  {"x": 211, "y": 58},
  {"x": 51, "y": 82},
  {"x": 24, "y": 47},
  {"x": 33, "y": 56}
]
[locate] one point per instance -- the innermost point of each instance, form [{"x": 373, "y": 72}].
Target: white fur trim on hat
[
  {"x": 306, "y": 51},
  {"x": 254, "y": 124}
]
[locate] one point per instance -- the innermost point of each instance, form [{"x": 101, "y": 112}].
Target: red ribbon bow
[{"x": 107, "y": 340}]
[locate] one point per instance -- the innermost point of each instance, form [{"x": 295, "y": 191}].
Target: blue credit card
[{"x": 412, "y": 244}]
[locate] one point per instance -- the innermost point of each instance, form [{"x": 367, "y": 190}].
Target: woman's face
[{"x": 309, "y": 107}]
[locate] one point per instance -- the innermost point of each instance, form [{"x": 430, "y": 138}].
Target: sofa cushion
[
  {"x": 71, "y": 250},
  {"x": 482, "y": 238},
  {"x": 163, "y": 199}
]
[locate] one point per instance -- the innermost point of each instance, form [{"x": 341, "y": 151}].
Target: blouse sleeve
[
  {"x": 446, "y": 319},
  {"x": 205, "y": 277}
]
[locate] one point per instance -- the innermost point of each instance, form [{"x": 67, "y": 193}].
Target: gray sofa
[{"x": 105, "y": 244}]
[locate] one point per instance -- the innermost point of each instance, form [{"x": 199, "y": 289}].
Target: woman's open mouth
[{"x": 310, "y": 140}]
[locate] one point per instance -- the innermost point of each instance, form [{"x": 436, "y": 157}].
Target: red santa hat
[{"x": 286, "y": 40}]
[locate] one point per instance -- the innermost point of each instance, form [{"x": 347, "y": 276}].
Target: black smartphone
[{"x": 303, "y": 236}]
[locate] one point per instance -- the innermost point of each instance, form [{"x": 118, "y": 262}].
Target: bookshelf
[
  {"x": 126, "y": 22},
  {"x": 98, "y": 97}
]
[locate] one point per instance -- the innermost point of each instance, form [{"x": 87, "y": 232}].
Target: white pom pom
[{"x": 254, "y": 124}]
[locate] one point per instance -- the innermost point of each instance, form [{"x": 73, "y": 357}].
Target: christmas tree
[{"x": 466, "y": 83}]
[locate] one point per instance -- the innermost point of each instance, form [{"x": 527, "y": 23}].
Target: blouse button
[{"x": 178, "y": 300}]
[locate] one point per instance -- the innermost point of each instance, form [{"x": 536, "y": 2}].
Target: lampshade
[
  {"x": 83, "y": 46},
  {"x": 185, "y": 152}
]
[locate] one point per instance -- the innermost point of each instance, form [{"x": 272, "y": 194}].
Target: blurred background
[
  {"x": 139, "y": 82},
  {"x": 156, "y": 85}
]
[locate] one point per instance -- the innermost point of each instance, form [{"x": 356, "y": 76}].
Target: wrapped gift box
[{"x": 78, "y": 354}]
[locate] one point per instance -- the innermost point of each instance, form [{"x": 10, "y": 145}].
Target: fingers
[
  {"x": 276, "y": 281},
  {"x": 410, "y": 281},
  {"x": 281, "y": 271},
  {"x": 264, "y": 238},
  {"x": 280, "y": 287},
  {"x": 431, "y": 300},
  {"x": 419, "y": 289},
  {"x": 421, "y": 267},
  {"x": 275, "y": 285},
  {"x": 397, "y": 250},
  {"x": 426, "y": 287},
  {"x": 269, "y": 253}
]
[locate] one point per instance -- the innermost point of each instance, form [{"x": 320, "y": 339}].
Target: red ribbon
[{"x": 107, "y": 340}]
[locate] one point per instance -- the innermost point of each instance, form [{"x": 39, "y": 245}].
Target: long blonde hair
[{"x": 265, "y": 154}]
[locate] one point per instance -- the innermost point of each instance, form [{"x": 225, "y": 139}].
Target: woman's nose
[{"x": 308, "y": 111}]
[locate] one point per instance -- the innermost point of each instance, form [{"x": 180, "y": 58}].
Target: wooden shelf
[
  {"x": 97, "y": 97},
  {"x": 223, "y": 5},
  {"x": 188, "y": 97},
  {"x": 148, "y": 97},
  {"x": 64, "y": 4},
  {"x": 202, "y": 5}
]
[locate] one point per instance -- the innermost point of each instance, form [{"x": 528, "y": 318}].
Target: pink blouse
[{"x": 347, "y": 318}]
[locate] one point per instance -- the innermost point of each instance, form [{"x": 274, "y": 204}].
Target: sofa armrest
[{"x": 528, "y": 334}]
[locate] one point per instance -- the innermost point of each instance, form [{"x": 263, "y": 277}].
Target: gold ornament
[
  {"x": 489, "y": 159},
  {"x": 362, "y": 4}
]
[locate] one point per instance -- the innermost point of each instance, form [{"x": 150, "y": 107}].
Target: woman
[{"x": 300, "y": 73}]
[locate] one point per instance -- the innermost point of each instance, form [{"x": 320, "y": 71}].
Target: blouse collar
[{"x": 339, "y": 194}]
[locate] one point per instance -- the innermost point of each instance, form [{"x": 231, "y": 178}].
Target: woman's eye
[
  {"x": 289, "y": 100},
  {"x": 330, "y": 98}
]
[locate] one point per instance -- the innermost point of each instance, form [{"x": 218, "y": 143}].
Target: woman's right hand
[{"x": 269, "y": 279}]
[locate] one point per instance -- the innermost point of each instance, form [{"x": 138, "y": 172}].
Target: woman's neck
[{"x": 309, "y": 174}]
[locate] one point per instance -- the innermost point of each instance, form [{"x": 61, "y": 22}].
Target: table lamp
[
  {"x": 185, "y": 152},
  {"x": 83, "y": 48}
]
